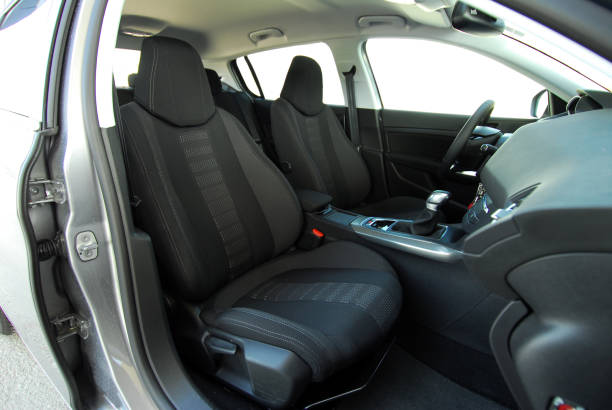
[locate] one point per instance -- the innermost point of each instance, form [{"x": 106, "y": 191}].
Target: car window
[
  {"x": 125, "y": 62},
  {"x": 271, "y": 69},
  {"x": 428, "y": 76}
]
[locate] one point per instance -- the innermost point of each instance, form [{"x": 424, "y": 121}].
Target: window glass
[
  {"x": 271, "y": 69},
  {"x": 125, "y": 62},
  {"x": 428, "y": 76}
]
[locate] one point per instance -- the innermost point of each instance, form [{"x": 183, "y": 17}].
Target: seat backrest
[
  {"x": 213, "y": 203},
  {"x": 126, "y": 95},
  {"x": 236, "y": 103},
  {"x": 241, "y": 106},
  {"x": 308, "y": 136}
]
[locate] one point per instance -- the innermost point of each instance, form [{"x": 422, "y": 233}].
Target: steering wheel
[{"x": 481, "y": 116}]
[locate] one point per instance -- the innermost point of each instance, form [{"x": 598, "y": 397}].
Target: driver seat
[{"x": 309, "y": 137}]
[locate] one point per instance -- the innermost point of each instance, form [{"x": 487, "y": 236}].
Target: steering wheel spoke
[{"x": 480, "y": 116}]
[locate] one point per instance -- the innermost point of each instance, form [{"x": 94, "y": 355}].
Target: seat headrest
[
  {"x": 303, "y": 86},
  {"x": 214, "y": 81},
  {"x": 172, "y": 84},
  {"x": 132, "y": 80}
]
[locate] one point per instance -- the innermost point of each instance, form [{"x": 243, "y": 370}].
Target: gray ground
[{"x": 23, "y": 385}]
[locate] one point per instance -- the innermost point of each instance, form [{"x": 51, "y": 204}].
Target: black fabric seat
[
  {"x": 308, "y": 136},
  {"x": 293, "y": 293},
  {"x": 240, "y": 105},
  {"x": 223, "y": 218},
  {"x": 126, "y": 95},
  {"x": 236, "y": 103}
]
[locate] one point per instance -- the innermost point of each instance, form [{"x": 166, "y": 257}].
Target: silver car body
[{"x": 96, "y": 288}]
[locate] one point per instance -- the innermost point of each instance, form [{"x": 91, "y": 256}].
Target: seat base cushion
[
  {"x": 329, "y": 306},
  {"x": 398, "y": 207}
]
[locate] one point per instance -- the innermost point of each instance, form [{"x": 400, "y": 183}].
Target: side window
[
  {"x": 271, "y": 69},
  {"x": 125, "y": 62},
  {"x": 428, "y": 76}
]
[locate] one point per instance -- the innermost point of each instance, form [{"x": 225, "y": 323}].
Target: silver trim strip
[{"x": 406, "y": 242}]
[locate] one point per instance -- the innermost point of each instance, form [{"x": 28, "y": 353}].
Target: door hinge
[
  {"x": 70, "y": 325},
  {"x": 44, "y": 191}
]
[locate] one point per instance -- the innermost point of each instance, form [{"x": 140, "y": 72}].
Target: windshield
[{"x": 595, "y": 70}]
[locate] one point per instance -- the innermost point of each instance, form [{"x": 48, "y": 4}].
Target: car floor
[{"x": 402, "y": 382}]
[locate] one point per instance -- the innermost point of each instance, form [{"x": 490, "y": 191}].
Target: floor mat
[{"x": 405, "y": 383}]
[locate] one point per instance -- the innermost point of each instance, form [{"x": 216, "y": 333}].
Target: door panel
[{"x": 414, "y": 145}]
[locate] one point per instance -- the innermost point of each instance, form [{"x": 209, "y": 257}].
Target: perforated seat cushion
[{"x": 329, "y": 306}]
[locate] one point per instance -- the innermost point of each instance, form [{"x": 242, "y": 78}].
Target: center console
[
  {"x": 422, "y": 236},
  {"x": 442, "y": 245}
]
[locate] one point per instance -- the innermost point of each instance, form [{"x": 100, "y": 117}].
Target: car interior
[{"x": 352, "y": 256}]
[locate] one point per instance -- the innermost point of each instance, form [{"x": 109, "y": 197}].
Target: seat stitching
[
  {"x": 227, "y": 119},
  {"x": 314, "y": 171},
  {"x": 277, "y": 336},
  {"x": 302, "y": 330},
  {"x": 327, "y": 348},
  {"x": 267, "y": 331},
  {"x": 152, "y": 79},
  {"x": 384, "y": 295},
  {"x": 158, "y": 206}
]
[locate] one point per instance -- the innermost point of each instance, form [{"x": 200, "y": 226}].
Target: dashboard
[
  {"x": 541, "y": 236},
  {"x": 551, "y": 184}
]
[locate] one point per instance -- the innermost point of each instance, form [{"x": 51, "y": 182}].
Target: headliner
[{"x": 220, "y": 28}]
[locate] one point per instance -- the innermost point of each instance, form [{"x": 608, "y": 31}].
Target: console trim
[{"x": 406, "y": 242}]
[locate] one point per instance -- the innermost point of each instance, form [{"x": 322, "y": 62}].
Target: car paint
[
  {"x": 117, "y": 374},
  {"x": 21, "y": 106},
  {"x": 107, "y": 345}
]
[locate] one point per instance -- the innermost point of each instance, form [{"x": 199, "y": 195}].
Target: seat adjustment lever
[{"x": 220, "y": 346}]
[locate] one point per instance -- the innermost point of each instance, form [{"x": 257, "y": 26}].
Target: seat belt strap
[
  {"x": 134, "y": 200},
  {"x": 353, "y": 119}
]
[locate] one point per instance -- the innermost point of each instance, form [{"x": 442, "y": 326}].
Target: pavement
[{"x": 23, "y": 384}]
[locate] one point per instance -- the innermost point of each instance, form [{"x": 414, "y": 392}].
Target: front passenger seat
[
  {"x": 308, "y": 136},
  {"x": 222, "y": 219}
]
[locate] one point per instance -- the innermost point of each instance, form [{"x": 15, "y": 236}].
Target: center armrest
[{"x": 313, "y": 201}]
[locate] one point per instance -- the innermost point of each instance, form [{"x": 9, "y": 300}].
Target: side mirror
[{"x": 539, "y": 104}]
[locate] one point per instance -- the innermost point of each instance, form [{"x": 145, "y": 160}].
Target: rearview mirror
[
  {"x": 539, "y": 104},
  {"x": 473, "y": 21}
]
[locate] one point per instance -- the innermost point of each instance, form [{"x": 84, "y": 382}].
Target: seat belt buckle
[
  {"x": 135, "y": 201},
  {"x": 310, "y": 239},
  {"x": 286, "y": 167}
]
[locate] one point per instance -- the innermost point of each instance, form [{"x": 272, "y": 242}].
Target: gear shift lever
[
  {"x": 437, "y": 199},
  {"x": 426, "y": 222}
]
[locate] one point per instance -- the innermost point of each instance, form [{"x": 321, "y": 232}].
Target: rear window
[
  {"x": 271, "y": 69},
  {"x": 125, "y": 62}
]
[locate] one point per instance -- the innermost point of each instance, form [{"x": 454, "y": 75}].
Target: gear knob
[{"x": 437, "y": 199}]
